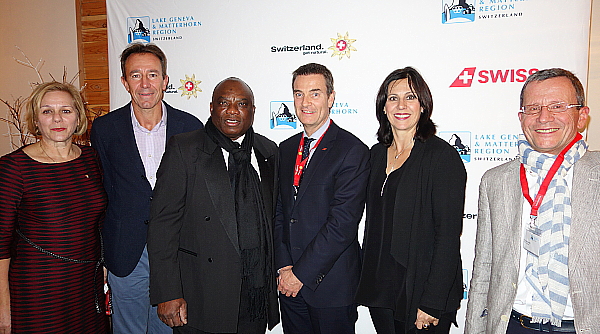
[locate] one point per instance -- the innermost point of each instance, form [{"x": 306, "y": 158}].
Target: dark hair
[
  {"x": 314, "y": 68},
  {"x": 150, "y": 48},
  {"x": 425, "y": 126},
  {"x": 555, "y": 73}
]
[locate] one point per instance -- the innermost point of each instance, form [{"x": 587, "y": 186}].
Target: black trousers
[
  {"x": 245, "y": 324},
  {"x": 255, "y": 327},
  {"x": 297, "y": 317}
]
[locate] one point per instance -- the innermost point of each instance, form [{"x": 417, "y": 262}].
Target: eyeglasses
[{"x": 554, "y": 108}]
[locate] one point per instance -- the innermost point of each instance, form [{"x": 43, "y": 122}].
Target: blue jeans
[{"x": 132, "y": 312}]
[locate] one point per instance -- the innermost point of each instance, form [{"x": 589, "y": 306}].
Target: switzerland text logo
[
  {"x": 138, "y": 29},
  {"x": 305, "y": 49},
  {"x": 468, "y": 74}
]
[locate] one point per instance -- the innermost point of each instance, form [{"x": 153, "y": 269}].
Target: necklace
[
  {"x": 393, "y": 164},
  {"x": 399, "y": 154},
  {"x": 70, "y": 152},
  {"x": 49, "y": 157}
]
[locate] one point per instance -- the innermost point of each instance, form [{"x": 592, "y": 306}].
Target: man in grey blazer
[{"x": 536, "y": 265}]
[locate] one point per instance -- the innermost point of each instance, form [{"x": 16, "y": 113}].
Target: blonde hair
[{"x": 35, "y": 101}]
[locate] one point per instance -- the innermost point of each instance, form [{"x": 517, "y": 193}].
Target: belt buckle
[
  {"x": 540, "y": 327},
  {"x": 521, "y": 321}
]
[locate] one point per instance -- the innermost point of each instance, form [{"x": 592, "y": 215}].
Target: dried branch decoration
[{"x": 17, "y": 129}]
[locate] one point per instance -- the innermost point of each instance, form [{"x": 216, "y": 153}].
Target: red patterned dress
[{"x": 58, "y": 207}]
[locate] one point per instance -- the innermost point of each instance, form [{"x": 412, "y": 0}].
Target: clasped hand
[
  {"x": 287, "y": 283},
  {"x": 173, "y": 313},
  {"x": 424, "y": 320}
]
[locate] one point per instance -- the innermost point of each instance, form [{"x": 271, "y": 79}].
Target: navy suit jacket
[
  {"x": 129, "y": 192},
  {"x": 316, "y": 232}
]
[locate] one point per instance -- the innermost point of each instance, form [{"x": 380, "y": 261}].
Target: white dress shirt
[
  {"x": 524, "y": 298},
  {"x": 151, "y": 144}
]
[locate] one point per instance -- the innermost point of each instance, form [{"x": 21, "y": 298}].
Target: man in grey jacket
[{"x": 538, "y": 230}]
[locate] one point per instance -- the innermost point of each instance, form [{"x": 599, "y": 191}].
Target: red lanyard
[
  {"x": 300, "y": 164},
  {"x": 535, "y": 204}
]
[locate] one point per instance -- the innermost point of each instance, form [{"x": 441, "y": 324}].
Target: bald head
[
  {"x": 233, "y": 79},
  {"x": 232, "y": 107}
]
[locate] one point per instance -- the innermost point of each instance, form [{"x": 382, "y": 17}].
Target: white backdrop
[{"x": 474, "y": 58}]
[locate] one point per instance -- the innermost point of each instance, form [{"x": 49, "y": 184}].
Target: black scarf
[{"x": 252, "y": 222}]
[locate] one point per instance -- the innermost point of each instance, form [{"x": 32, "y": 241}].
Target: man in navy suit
[
  {"x": 131, "y": 141},
  {"x": 323, "y": 181}
]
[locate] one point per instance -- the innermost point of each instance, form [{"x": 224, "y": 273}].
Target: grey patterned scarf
[{"x": 548, "y": 274}]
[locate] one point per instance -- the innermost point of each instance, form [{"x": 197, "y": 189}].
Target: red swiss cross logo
[
  {"x": 465, "y": 78},
  {"x": 189, "y": 86},
  {"x": 341, "y": 45}
]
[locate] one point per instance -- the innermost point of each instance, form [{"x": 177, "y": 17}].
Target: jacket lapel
[
  {"x": 511, "y": 200},
  {"x": 585, "y": 209},
  {"x": 287, "y": 160},
  {"x": 174, "y": 125},
  {"x": 124, "y": 130},
  {"x": 211, "y": 165},
  {"x": 267, "y": 173},
  {"x": 318, "y": 156}
]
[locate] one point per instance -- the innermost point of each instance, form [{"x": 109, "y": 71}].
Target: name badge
[{"x": 531, "y": 241}]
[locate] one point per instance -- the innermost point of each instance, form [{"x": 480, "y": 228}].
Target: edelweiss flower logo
[
  {"x": 342, "y": 46},
  {"x": 189, "y": 86}
]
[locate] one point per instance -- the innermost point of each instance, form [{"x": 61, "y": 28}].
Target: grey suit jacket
[{"x": 498, "y": 246}]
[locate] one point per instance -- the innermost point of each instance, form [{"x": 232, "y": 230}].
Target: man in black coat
[{"x": 210, "y": 235}]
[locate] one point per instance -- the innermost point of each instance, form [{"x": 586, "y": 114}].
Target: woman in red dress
[{"x": 51, "y": 205}]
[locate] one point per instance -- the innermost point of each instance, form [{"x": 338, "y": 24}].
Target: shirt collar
[
  {"x": 321, "y": 130},
  {"x": 137, "y": 126},
  {"x": 241, "y": 139}
]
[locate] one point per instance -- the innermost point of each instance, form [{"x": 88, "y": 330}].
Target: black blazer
[
  {"x": 427, "y": 225},
  {"x": 192, "y": 237},
  {"x": 129, "y": 192},
  {"x": 317, "y": 231}
]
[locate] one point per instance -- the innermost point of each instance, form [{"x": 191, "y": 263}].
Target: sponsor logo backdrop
[{"x": 474, "y": 54}]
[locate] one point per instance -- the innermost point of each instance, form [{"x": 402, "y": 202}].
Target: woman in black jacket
[{"x": 412, "y": 272}]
